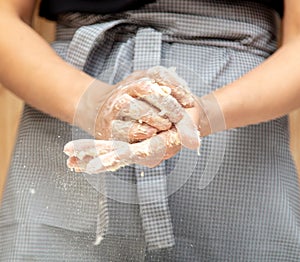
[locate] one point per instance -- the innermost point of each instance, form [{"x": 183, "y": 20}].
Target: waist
[{"x": 192, "y": 21}]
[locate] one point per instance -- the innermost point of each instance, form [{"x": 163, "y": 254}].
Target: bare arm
[
  {"x": 273, "y": 88},
  {"x": 31, "y": 69}
]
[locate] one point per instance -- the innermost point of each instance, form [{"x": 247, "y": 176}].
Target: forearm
[
  {"x": 32, "y": 70},
  {"x": 267, "y": 92},
  {"x": 270, "y": 90}
]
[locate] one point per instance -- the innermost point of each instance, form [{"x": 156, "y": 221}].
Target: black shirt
[{"x": 51, "y": 8}]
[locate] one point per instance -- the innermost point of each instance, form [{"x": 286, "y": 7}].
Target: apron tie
[
  {"x": 152, "y": 183},
  {"x": 147, "y": 222}
]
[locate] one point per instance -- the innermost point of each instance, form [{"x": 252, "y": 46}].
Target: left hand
[{"x": 96, "y": 156}]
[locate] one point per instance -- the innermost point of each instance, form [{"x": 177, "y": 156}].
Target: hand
[
  {"x": 95, "y": 156},
  {"x": 135, "y": 109},
  {"x": 143, "y": 105},
  {"x": 138, "y": 104}
]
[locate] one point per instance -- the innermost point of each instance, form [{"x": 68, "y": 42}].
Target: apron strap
[
  {"x": 147, "y": 51},
  {"x": 109, "y": 230},
  {"x": 152, "y": 183},
  {"x": 85, "y": 40}
]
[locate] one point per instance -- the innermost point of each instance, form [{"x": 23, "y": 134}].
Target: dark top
[{"x": 51, "y": 8}]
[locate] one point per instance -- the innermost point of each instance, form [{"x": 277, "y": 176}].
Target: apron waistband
[{"x": 237, "y": 26}]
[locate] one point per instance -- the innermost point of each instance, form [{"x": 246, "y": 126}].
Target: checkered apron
[{"x": 237, "y": 201}]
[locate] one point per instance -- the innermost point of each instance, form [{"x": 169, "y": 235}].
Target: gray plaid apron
[{"x": 248, "y": 212}]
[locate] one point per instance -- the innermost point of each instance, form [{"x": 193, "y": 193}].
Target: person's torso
[{"x": 51, "y": 8}]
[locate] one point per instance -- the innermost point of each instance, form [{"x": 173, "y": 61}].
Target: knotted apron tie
[{"x": 152, "y": 220}]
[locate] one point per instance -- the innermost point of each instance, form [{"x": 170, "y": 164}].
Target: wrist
[
  {"x": 211, "y": 118},
  {"x": 88, "y": 104}
]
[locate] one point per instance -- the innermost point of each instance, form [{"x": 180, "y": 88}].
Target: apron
[{"x": 237, "y": 201}]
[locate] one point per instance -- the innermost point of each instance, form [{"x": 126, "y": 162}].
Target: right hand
[{"x": 144, "y": 104}]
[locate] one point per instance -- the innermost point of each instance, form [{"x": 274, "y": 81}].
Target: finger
[
  {"x": 78, "y": 165},
  {"x": 111, "y": 161},
  {"x": 168, "y": 105},
  {"x": 83, "y": 152},
  {"x": 179, "y": 88},
  {"x": 122, "y": 106},
  {"x": 108, "y": 162},
  {"x": 83, "y": 147},
  {"x": 153, "y": 151},
  {"x": 149, "y": 152},
  {"x": 145, "y": 86},
  {"x": 172, "y": 143},
  {"x": 131, "y": 132},
  {"x": 129, "y": 107},
  {"x": 188, "y": 132},
  {"x": 158, "y": 96}
]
